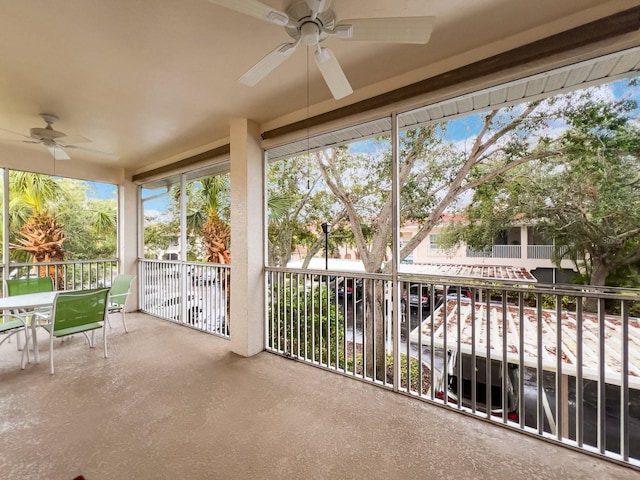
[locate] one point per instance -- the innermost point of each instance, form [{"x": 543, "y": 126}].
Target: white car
[
  {"x": 171, "y": 308},
  {"x": 202, "y": 275}
]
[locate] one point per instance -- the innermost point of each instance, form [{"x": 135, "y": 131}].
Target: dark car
[
  {"x": 463, "y": 389},
  {"x": 417, "y": 296},
  {"x": 348, "y": 286}
]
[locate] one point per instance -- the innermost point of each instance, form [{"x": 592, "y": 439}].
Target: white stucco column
[
  {"x": 247, "y": 236},
  {"x": 128, "y": 235}
]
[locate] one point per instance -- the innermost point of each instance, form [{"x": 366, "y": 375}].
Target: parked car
[
  {"x": 202, "y": 276},
  {"x": 169, "y": 270},
  {"x": 417, "y": 296},
  {"x": 453, "y": 385},
  {"x": 171, "y": 308},
  {"x": 452, "y": 291},
  {"x": 348, "y": 286}
]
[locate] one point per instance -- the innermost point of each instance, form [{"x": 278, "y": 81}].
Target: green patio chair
[
  {"x": 79, "y": 312},
  {"x": 120, "y": 290},
  {"x": 10, "y": 325},
  {"x": 22, "y": 286}
]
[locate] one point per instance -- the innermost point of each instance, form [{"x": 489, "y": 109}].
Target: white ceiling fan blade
[
  {"x": 21, "y": 141},
  {"x": 268, "y": 64},
  {"x": 58, "y": 153},
  {"x": 387, "y": 30},
  {"x": 71, "y": 139},
  {"x": 317, "y": 6},
  {"x": 332, "y": 73},
  {"x": 255, "y": 9},
  {"x": 27, "y": 137},
  {"x": 95, "y": 153}
]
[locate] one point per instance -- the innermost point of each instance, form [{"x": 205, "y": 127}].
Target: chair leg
[
  {"x": 104, "y": 340},
  {"x": 18, "y": 343},
  {"x": 87, "y": 338},
  {"x": 124, "y": 321},
  {"x": 51, "y": 352},
  {"x": 25, "y": 350},
  {"x": 34, "y": 338}
]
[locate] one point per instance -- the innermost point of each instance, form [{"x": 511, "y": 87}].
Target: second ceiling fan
[{"x": 311, "y": 22}]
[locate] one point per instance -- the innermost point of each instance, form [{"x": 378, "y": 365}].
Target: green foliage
[
  {"x": 307, "y": 320},
  {"x": 204, "y": 197},
  {"x": 158, "y": 236},
  {"x": 89, "y": 224},
  {"x": 585, "y": 199},
  {"x": 549, "y": 302},
  {"x": 429, "y": 161},
  {"x": 289, "y": 188},
  {"x": 414, "y": 372}
]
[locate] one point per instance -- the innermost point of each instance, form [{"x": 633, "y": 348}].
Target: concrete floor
[{"x": 174, "y": 403}]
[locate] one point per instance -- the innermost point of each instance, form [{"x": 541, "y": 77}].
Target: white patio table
[{"x": 26, "y": 302}]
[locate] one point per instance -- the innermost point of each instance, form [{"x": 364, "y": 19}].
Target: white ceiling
[{"x": 156, "y": 80}]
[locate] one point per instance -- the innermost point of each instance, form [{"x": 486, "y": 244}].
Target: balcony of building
[
  {"x": 171, "y": 402},
  {"x": 518, "y": 247}
]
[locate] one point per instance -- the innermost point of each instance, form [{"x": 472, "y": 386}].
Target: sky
[
  {"x": 157, "y": 206},
  {"x": 101, "y": 190}
]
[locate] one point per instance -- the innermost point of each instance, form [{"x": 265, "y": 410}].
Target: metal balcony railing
[
  {"x": 540, "y": 252},
  {"x": 546, "y": 252},
  {"x": 189, "y": 293},
  {"x": 497, "y": 251},
  {"x": 561, "y": 362},
  {"x": 69, "y": 275}
]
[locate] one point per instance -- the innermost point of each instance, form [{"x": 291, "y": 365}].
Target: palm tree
[
  {"x": 208, "y": 208},
  {"x": 216, "y": 236},
  {"x": 38, "y": 233},
  {"x": 208, "y": 211}
]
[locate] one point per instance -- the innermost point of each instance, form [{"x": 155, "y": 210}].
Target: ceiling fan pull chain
[{"x": 308, "y": 154}]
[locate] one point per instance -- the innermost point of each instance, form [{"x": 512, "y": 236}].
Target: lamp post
[{"x": 325, "y": 229}]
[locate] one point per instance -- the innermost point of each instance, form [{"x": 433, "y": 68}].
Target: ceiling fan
[
  {"x": 311, "y": 22},
  {"x": 55, "y": 141}
]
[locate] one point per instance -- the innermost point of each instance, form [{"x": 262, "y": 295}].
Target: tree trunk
[
  {"x": 598, "y": 278},
  {"x": 315, "y": 248},
  {"x": 375, "y": 331}
]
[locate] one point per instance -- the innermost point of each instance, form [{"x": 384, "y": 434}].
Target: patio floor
[{"x": 174, "y": 403}]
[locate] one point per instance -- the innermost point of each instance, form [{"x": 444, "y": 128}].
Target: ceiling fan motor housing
[
  {"x": 309, "y": 31},
  {"x": 45, "y": 134}
]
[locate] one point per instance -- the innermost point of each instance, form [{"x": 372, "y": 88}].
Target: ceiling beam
[
  {"x": 183, "y": 164},
  {"x": 621, "y": 23}
]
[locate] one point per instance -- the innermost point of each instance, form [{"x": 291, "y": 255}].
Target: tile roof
[
  {"x": 485, "y": 272},
  {"x": 473, "y": 330}
]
